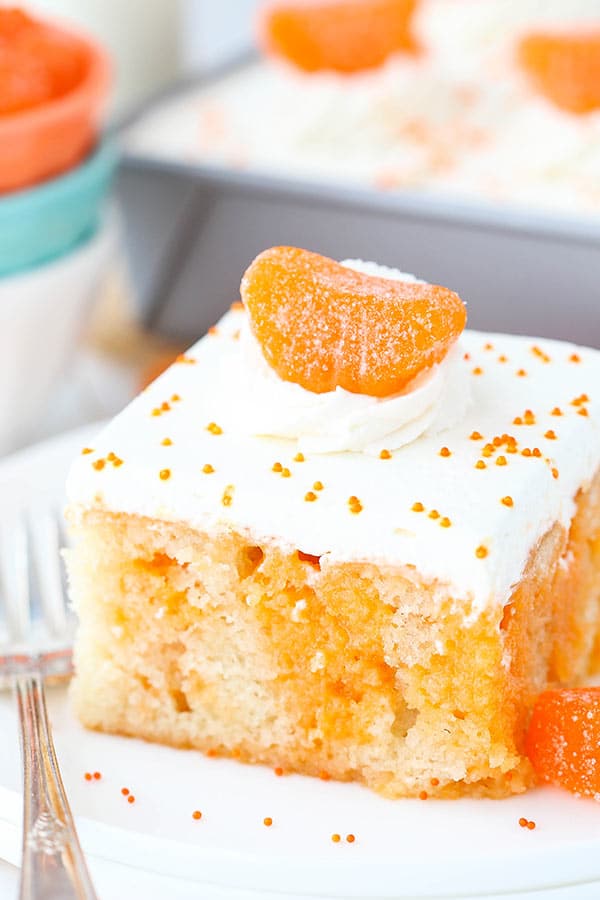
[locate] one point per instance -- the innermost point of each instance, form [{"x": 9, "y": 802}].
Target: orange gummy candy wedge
[
  {"x": 563, "y": 740},
  {"x": 339, "y": 35},
  {"x": 323, "y": 325},
  {"x": 565, "y": 68}
]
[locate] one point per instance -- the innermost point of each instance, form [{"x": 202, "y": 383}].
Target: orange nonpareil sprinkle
[
  {"x": 350, "y": 838},
  {"x": 550, "y": 435},
  {"x": 445, "y": 452},
  {"x": 268, "y": 821},
  {"x": 97, "y": 775},
  {"x": 88, "y": 776},
  {"x": 86, "y": 450},
  {"x": 131, "y": 799},
  {"x": 501, "y": 461},
  {"x": 423, "y": 795},
  {"x": 214, "y": 428},
  {"x": 166, "y": 442},
  {"x": 310, "y": 497},
  {"x": 164, "y": 474},
  {"x": 299, "y": 457},
  {"x": 285, "y": 473},
  {"x": 507, "y": 501},
  {"x": 502, "y": 358},
  {"x": 125, "y": 791},
  {"x": 434, "y": 782},
  {"x": 476, "y": 436},
  {"x": 277, "y": 467},
  {"x": 385, "y": 454},
  {"x": 196, "y": 814},
  {"x": 481, "y": 552},
  {"x": 318, "y": 486},
  {"x": 523, "y": 822},
  {"x": 521, "y": 373},
  {"x": 175, "y": 398},
  {"x": 554, "y": 473},
  {"x": 99, "y": 464},
  {"x": 278, "y": 771},
  {"x": 445, "y": 522},
  {"x": 207, "y": 469},
  {"x": 355, "y": 505},
  {"x": 434, "y": 514},
  {"x": 417, "y": 507},
  {"x": 575, "y": 358},
  {"x": 556, "y": 411},
  {"x": 583, "y": 411},
  {"x": 477, "y": 370},
  {"x": 480, "y": 464},
  {"x": 488, "y": 346},
  {"x": 335, "y": 838}
]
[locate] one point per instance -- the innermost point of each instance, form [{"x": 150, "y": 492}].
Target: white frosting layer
[
  {"x": 268, "y": 507},
  {"x": 257, "y": 402},
  {"x": 462, "y": 119}
]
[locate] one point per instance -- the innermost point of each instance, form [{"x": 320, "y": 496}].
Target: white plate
[{"x": 403, "y": 849}]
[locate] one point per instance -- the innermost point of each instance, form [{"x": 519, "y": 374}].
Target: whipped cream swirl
[{"x": 260, "y": 403}]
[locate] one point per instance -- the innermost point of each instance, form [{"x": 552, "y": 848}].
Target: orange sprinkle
[
  {"x": 467, "y": 357},
  {"x": 575, "y": 358},
  {"x": 131, "y": 799},
  {"x": 521, "y": 373},
  {"x": 488, "y": 346},
  {"x": 125, "y": 791},
  {"x": 582, "y": 412},
  {"x": 299, "y": 457},
  {"x": 434, "y": 782},
  {"x": 434, "y": 514},
  {"x": 324, "y": 776},
  {"x": 156, "y": 412},
  {"x": 111, "y": 456},
  {"x": 536, "y": 452},
  {"x": 86, "y": 450},
  {"x": 578, "y": 401},
  {"x": 502, "y": 358},
  {"x": 88, "y": 776},
  {"x": 277, "y": 467},
  {"x": 165, "y": 406},
  {"x": 480, "y": 464},
  {"x": 526, "y": 451},
  {"x": 213, "y": 329},
  {"x": 385, "y": 454},
  {"x": 350, "y": 838},
  {"x": 508, "y": 501},
  {"x": 445, "y": 452},
  {"x": 501, "y": 461},
  {"x": 214, "y": 428},
  {"x": 167, "y": 442},
  {"x": 529, "y": 417},
  {"x": 285, "y": 473},
  {"x": 196, "y": 814},
  {"x": 445, "y": 522},
  {"x": 164, "y": 474},
  {"x": 550, "y": 435},
  {"x": 556, "y": 411},
  {"x": 278, "y": 771},
  {"x": 531, "y": 825},
  {"x": 186, "y": 360},
  {"x": 175, "y": 398},
  {"x": 318, "y": 486},
  {"x": 335, "y": 838},
  {"x": 517, "y": 420},
  {"x": 554, "y": 472},
  {"x": 268, "y": 821},
  {"x": 423, "y": 795},
  {"x": 355, "y": 505},
  {"x": 523, "y": 822},
  {"x": 541, "y": 354},
  {"x": 310, "y": 497},
  {"x": 97, "y": 776},
  {"x": 488, "y": 450},
  {"x": 212, "y": 753},
  {"x": 476, "y": 436},
  {"x": 98, "y": 464},
  {"x": 497, "y": 442},
  {"x": 207, "y": 469},
  {"x": 237, "y": 306},
  {"x": 477, "y": 370},
  {"x": 481, "y": 552},
  {"x": 417, "y": 507}
]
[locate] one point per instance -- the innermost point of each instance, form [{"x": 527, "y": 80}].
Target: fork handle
[{"x": 53, "y": 866}]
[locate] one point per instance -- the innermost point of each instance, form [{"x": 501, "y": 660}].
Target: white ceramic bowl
[{"x": 42, "y": 314}]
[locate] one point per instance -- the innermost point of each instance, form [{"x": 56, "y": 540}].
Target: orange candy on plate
[
  {"x": 563, "y": 740},
  {"x": 322, "y": 325},
  {"x": 565, "y": 67},
  {"x": 337, "y": 35}
]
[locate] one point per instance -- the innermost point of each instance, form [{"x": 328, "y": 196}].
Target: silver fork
[{"x": 36, "y": 635}]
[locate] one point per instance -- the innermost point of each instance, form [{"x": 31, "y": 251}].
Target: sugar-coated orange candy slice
[
  {"x": 565, "y": 67},
  {"x": 563, "y": 740},
  {"x": 323, "y": 325},
  {"x": 339, "y": 35}
]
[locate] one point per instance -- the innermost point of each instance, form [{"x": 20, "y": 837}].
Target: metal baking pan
[{"x": 191, "y": 230}]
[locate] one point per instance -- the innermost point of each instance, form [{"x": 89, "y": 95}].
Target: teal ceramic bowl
[{"x": 44, "y": 222}]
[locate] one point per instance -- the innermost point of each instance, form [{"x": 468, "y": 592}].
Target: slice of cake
[{"x": 340, "y": 537}]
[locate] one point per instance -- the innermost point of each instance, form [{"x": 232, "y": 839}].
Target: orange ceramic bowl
[{"x": 41, "y": 141}]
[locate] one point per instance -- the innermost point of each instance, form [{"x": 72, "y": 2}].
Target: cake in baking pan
[{"x": 343, "y": 536}]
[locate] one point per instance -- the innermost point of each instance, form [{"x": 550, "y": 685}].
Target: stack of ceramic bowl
[{"x": 56, "y": 232}]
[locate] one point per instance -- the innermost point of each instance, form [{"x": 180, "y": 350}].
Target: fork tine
[
  {"x": 45, "y": 544},
  {"x": 14, "y": 569}
]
